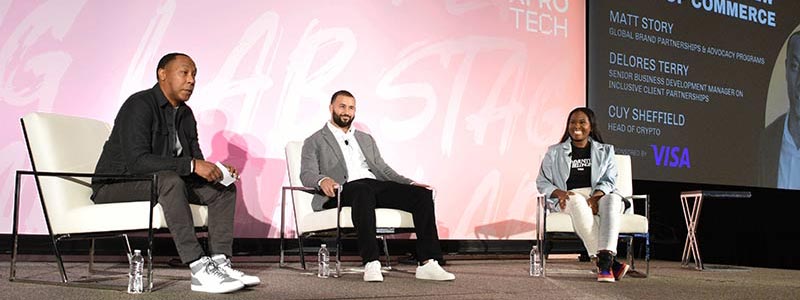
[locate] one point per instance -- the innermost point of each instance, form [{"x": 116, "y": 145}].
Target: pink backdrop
[{"x": 462, "y": 95}]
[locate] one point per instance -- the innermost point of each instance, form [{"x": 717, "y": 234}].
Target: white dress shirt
[
  {"x": 789, "y": 162},
  {"x": 355, "y": 160}
]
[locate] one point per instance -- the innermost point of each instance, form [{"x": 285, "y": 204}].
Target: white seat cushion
[
  {"x": 630, "y": 223},
  {"x": 73, "y": 221},
  {"x": 633, "y": 223},
  {"x": 326, "y": 219}
]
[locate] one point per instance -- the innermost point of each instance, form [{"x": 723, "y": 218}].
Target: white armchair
[
  {"x": 63, "y": 152},
  {"x": 327, "y": 222},
  {"x": 632, "y": 225}
]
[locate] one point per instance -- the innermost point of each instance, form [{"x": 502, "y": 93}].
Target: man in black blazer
[
  {"x": 156, "y": 132},
  {"x": 779, "y": 156}
]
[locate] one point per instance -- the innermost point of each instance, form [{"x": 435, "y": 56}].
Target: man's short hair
[
  {"x": 789, "y": 49},
  {"x": 166, "y": 59},
  {"x": 341, "y": 93}
]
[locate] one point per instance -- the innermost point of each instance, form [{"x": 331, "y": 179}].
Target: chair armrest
[
  {"x": 646, "y": 198},
  {"x": 124, "y": 177},
  {"x": 542, "y": 203},
  {"x": 300, "y": 188},
  {"x": 72, "y": 174}
]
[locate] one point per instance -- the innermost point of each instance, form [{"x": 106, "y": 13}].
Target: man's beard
[{"x": 341, "y": 123}]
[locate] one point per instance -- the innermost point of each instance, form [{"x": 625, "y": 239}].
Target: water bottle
[
  {"x": 536, "y": 262},
  {"x": 135, "y": 284},
  {"x": 323, "y": 258}
]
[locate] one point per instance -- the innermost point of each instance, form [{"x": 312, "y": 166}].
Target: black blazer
[
  {"x": 770, "y": 152},
  {"x": 139, "y": 142}
]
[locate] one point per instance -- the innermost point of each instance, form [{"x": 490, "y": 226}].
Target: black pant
[
  {"x": 365, "y": 195},
  {"x": 174, "y": 194}
]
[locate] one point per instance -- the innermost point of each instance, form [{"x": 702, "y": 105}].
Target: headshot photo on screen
[{"x": 780, "y": 141}]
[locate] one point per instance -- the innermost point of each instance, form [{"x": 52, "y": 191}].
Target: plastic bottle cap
[
  {"x": 324, "y": 246},
  {"x": 137, "y": 251}
]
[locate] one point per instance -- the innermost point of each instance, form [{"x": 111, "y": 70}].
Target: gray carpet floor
[{"x": 475, "y": 279}]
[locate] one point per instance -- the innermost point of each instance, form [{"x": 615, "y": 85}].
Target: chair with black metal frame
[
  {"x": 63, "y": 151},
  {"x": 329, "y": 223}
]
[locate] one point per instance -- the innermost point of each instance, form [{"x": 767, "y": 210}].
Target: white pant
[{"x": 599, "y": 232}]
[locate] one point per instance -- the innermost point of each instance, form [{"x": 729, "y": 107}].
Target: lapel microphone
[{"x": 346, "y": 142}]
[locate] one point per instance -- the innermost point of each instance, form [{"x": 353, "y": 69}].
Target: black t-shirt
[{"x": 580, "y": 174}]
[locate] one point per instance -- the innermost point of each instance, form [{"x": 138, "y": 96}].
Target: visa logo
[{"x": 671, "y": 156}]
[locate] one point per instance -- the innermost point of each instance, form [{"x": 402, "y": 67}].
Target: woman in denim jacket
[{"x": 578, "y": 177}]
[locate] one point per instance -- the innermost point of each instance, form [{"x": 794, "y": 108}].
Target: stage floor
[{"x": 475, "y": 279}]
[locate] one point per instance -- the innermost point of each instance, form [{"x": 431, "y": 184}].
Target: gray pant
[{"x": 174, "y": 194}]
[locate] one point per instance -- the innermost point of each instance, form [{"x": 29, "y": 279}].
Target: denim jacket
[{"x": 556, "y": 167}]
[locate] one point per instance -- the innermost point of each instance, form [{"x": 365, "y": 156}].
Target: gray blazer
[{"x": 322, "y": 157}]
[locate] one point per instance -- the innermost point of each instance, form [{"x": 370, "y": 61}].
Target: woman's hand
[
  {"x": 562, "y": 196},
  {"x": 592, "y": 201}
]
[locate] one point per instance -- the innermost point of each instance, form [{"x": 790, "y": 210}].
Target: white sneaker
[
  {"x": 372, "y": 271},
  {"x": 432, "y": 271},
  {"x": 207, "y": 277},
  {"x": 224, "y": 264}
]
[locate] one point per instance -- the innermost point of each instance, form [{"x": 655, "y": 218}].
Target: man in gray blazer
[{"x": 339, "y": 155}]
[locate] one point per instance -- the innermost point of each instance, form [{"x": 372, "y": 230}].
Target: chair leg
[
  {"x": 53, "y": 240},
  {"x": 153, "y": 201},
  {"x": 149, "y": 287},
  {"x": 547, "y": 246},
  {"x": 203, "y": 239},
  {"x": 388, "y": 265},
  {"x": 302, "y": 252},
  {"x": 629, "y": 241},
  {"x": 338, "y": 232},
  {"x": 283, "y": 221},
  {"x": 338, "y": 263},
  {"x": 91, "y": 256},
  {"x": 647, "y": 254},
  {"x": 281, "y": 261},
  {"x": 127, "y": 246},
  {"x": 59, "y": 261},
  {"x": 545, "y": 250},
  {"x": 15, "y": 231}
]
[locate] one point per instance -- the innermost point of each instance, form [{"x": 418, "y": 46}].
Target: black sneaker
[{"x": 604, "y": 263}]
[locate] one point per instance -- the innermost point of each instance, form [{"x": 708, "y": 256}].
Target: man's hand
[
  {"x": 232, "y": 170},
  {"x": 592, "y": 201},
  {"x": 207, "y": 170},
  {"x": 562, "y": 196},
  {"x": 329, "y": 187}
]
